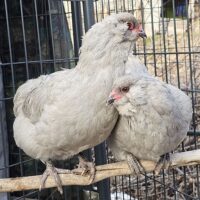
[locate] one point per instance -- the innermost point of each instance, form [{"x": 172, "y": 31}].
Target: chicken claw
[
  {"x": 164, "y": 162},
  {"x": 134, "y": 165},
  {"x": 54, "y": 172},
  {"x": 85, "y": 167}
]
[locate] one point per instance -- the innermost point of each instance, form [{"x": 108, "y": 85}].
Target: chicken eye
[
  {"x": 125, "y": 89},
  {"x": 130, "y": 26}
]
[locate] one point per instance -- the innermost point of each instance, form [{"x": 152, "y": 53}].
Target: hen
[
  {"x": 64, "y": 113},
  {"x": 154, "y": 118}
]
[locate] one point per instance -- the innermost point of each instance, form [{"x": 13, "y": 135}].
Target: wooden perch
[{"x": 103, "y": 171}]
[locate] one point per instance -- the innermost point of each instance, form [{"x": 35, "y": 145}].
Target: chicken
[
  {"x": 154, "y": 119},
  {"x": 64, "y": 113}
]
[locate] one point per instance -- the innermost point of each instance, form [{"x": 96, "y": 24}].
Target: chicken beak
[
  {"x": 110, "y": 100},
  {"x": 142, "y": 34}
]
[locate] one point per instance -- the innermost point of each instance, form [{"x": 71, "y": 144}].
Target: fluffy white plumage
[
  {"x": 154, "y": 116},
  {"x": 64, "y": 113}
]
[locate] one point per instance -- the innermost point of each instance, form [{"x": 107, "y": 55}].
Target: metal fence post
[
  {"x": 88, "y": 13},
  {"x": 77, "y": 25},
  {"x": 101, "y": 158},
  {"x": 3, "y": 138}
]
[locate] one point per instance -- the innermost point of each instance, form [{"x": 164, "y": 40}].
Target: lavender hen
[{"x": 64, "y": 113}]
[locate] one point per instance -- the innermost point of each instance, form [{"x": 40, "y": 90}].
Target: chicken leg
[
  {"x": 54, "y": 172},
  {"x": 134, "y": 165},
  {"x": 85, "y": 167},
  {"x": 164, "y": 162}
]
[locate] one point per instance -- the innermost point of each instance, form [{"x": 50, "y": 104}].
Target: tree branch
[{"x": 103, "y": 171}]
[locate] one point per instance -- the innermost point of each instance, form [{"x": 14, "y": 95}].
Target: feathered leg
[
  {"x": 134, "y": 165},
  {"x": 54, "y": 172},
  {"x": 85, "y": 167},
  {"x": 164, "y": 162}
]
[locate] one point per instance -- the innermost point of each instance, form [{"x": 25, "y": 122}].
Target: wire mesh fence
[{"x": 43, "y": 36}]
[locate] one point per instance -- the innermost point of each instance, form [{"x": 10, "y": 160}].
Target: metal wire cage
[{"x": 43, "y": 36}]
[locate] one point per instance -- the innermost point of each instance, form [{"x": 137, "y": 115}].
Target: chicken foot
[
  {"x": 164, "y": 162},
  {"x": 85, "y": 167},
  {"x": 54, "y": 172},
  {"x": 135, "y": 165}
]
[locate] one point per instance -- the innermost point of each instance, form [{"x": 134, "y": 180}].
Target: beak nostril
[
  {"x": 114, "y": 96},
  {"x": 110, "y": 100},
  {"x": 142, "y": 34}
]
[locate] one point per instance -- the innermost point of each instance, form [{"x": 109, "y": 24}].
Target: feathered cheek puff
[
  {"x": 130, "y": 32},
  {"x": 119, "y": 29},
  {"x": 123, "y": 27}
]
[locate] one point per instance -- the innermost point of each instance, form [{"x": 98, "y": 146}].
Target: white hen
[
  {"x": 64, "y": 113},
  {"x": 154, "y": 118}
]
